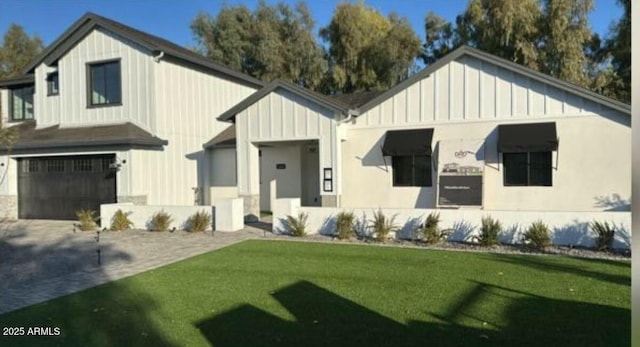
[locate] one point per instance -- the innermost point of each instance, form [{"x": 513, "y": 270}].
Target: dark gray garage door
[{"x": 57, "y": 187}]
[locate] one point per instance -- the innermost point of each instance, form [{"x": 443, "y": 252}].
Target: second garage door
[{"x": 57, "y": 187}]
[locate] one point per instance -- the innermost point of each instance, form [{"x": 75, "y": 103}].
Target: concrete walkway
[{"x": 42, "y": 260}]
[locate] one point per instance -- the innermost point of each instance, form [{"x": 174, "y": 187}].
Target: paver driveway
[{"x": 41, "y": 260}]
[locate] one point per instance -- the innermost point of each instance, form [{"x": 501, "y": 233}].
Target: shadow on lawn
[
  {"x": 323, "y": 318},
  {"x": 546, "y": 265},
  {"x": 108, "y": 315}
]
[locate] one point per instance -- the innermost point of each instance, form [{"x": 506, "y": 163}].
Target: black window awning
[
  {"x": 407, "y": 142},
  {"x": 533, "y": 137}
]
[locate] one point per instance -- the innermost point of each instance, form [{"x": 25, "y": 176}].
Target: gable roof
[
  {"x": 505, "y": 64},
  {"x": 227, "y": 138},
  {"x": 127, "y": 134},
  {"x": 90, "y": 21},
  {"x": 355, "y": 100},
  {"x": 320, "y": 99}
]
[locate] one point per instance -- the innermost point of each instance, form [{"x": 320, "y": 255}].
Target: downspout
[
  {"x": 158, "y": 57},
  {"x": 338, "y": 171}
]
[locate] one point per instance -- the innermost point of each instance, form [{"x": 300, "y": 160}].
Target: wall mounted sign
[
  {"x": 461, "y": 167},
  {"x": 281, "y": 166}
]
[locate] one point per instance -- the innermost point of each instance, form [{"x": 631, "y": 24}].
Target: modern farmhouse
[
  {"x": 471, "y": 130},
  {"x": 110, "y": 114}
]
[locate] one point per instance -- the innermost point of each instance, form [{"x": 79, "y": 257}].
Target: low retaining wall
[
  {"x": 141, "y": 214},
  {"x": 567, "y": 228}
]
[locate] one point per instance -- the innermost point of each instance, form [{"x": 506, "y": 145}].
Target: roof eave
[
  {"x": 17, "y": 81},
  {"x": 230, "y": 114},
  {"x": 90, "y": 21},
  {"x": 156, "y": 142}
]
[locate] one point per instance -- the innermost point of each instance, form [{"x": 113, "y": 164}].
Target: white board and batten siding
[
  {"x": 468, "y": 98},
  {"x": 187, "y": 104},
  {"x": 69, "y": 108},
  {"x": 468, "y": 89},
  {"x": 282, "y": 116}
]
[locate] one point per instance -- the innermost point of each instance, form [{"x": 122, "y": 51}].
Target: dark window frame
[
  {"x": 53, "y": 79},
  {"x": 12, "y": 116},
  {"x": 413, "y": 181},
  {"x": 528, "y": 166},
  {"x": 89, "y": 74}
]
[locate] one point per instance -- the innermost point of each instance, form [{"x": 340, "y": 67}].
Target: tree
[
  {"x": 440, "y": 38},
  {"x": 618, "y": 46},
  {"x": 226, "y": 38},
  {"x": 551, "y": 36},
  {"x": 565, "y": 34},
  {"x": 506, "y": 28},
  {"x": 17, "y": 50},
  {"x": 268, "y": 43},
  {"x": 366, "y": 50}
]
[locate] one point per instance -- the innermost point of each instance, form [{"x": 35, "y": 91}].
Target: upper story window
[
  {"x": 53, "y": 87},
  {"x": 104, "y": 83},
  {"x": 527, "y": 169},
  {"x": 21, "y": 103},
  {"x": 411, "y": 170}
]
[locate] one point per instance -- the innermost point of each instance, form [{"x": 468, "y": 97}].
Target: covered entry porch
[
  {"x": 288, "y": 145},
  {"x": 289, "y": 169}
]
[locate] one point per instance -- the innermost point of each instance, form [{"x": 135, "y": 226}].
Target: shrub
[
  {"x": 87, "y": 220},
  {"x": 430, "y": 231},
  {"x": 489, "y": 231},
  {"x": 382, "y": 226},
  {"x": 604, "y": 235},
  {"x": 160, "y": 221},
  {"x": 298, "y": 226},
  {"x": 345, "y": 225},
  {"x": 120, "y": 221},
  {"x": 361, "y": 227},
  {"x": 199, "y": 221},
  {"x": 537, "y": 235}
]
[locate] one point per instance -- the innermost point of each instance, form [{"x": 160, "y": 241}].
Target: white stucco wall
[
  {"x": 468, "y": 99},
  {"x": 140, "y": 216},
  {"x": 592, "y": 168},
  {"x": 566, "y": 228}
]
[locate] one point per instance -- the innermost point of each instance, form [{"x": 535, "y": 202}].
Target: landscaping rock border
[{"x": 570, "y": 251}]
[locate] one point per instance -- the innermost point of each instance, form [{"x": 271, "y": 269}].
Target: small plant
[
  {"x": 604, "y": 235},
  {"x": 87, "y": 220},
  {"x": 121, "y": 221},
  {"x": 361, "y": 227},
  {"x": 430, "y": 230},
  {"x": 345, "y": 225},
  {"x": 489, "y": 232},
  {"x": 160, "y": 221},
  {"x": 199, "y": 221},
  {"x": 537, "y": 236},
  {"x": 298, "y": 226},
  {"x": 382, "y": 225}
]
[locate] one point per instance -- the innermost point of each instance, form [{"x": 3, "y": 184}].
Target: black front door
[{"x": 57, "y": 187}]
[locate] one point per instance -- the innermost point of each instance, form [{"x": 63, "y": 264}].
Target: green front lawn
[{"x": 275, "y": 293}]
